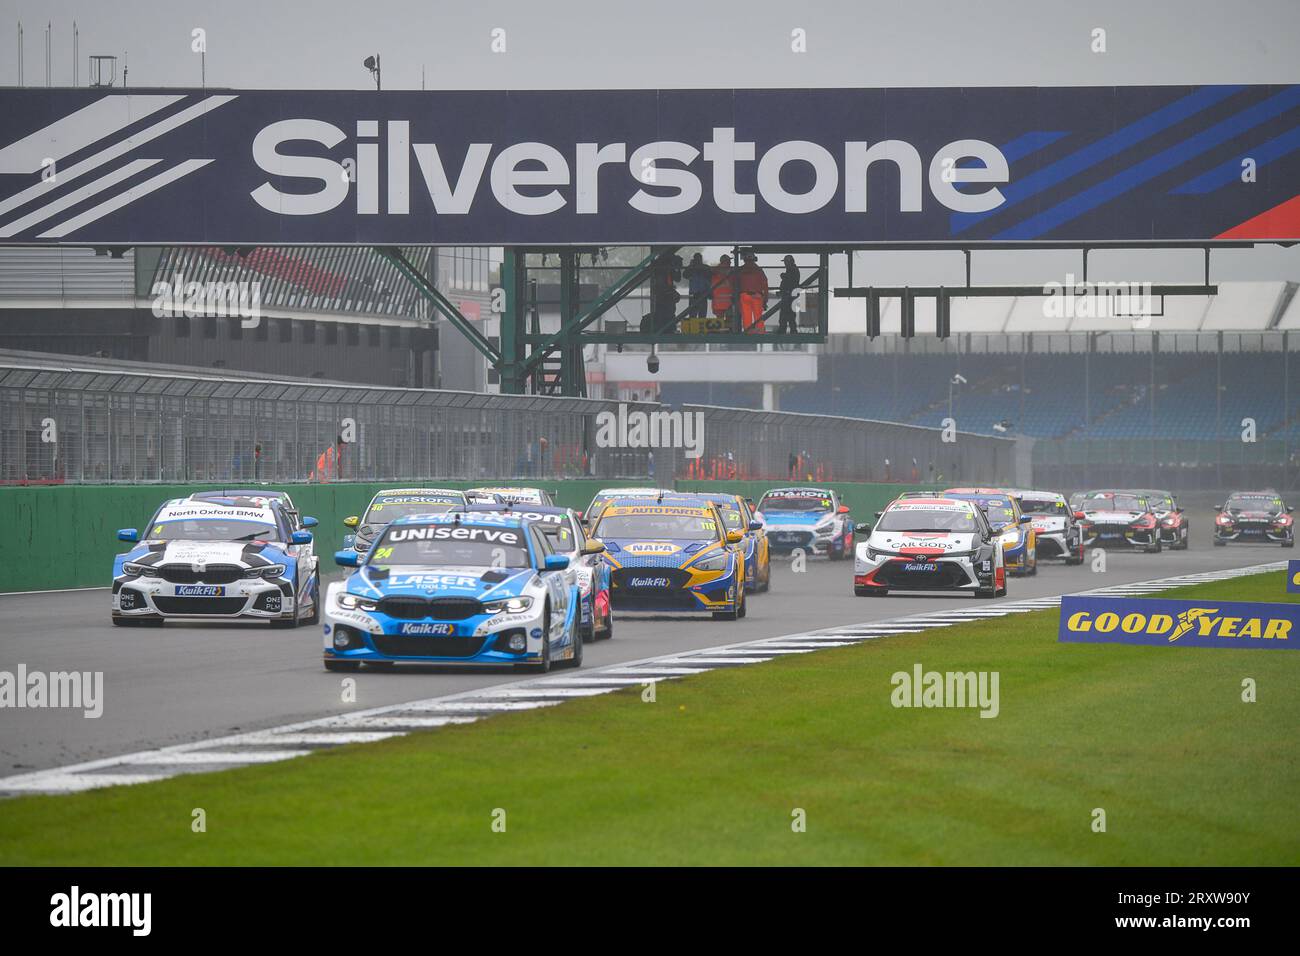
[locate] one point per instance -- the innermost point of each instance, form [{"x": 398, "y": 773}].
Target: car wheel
[
  {"x": 588, "y": 631},
  {"x": 1154, "y": 547},
  {"x": 545, "y": 665},
  {"x": 343, "y": 665},
  {"x": 986, "y": 592},
  {"x": 315, "y": 604},
  {"x": 1289, "y": 543},
  {"x": 870, "y": 592},
  {"x": 575, "y": 661},
  {"x": 609, "y": 625}
]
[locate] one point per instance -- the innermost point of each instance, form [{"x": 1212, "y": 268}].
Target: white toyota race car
[{"x": 929, "y": 544}]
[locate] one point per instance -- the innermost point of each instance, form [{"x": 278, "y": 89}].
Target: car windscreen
[
  {"x": 451, "y": 545},
  {"x": 657, "y": 527},
  {"x": 1115, "y": 503},
  {"x": 925, "y": 519},
  {"x": 382, "y": 512},
  {"x": 1043, "y": 507},
  {"x": 999, "y": 511},
  {"x": 213, "y": 529},
  {"x": 1254, "y": 503},
  {"x": 794, "y": 503}
]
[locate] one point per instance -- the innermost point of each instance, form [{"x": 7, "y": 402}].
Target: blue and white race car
[
  {"x": 218, "y": 559},
  {"x": 568, "y": 535},
  {"x": 454, "y": 589},
  {"x": 811, "y": 519}
]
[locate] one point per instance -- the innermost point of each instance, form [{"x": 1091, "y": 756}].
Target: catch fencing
[{"x": 75, "y": 420}]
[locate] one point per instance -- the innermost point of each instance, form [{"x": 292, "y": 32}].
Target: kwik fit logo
[{"x": 1164, "y": 623}]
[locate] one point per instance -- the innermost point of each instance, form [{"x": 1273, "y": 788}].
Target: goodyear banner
[
  {"x": 608, "y": 167},
  {"x": 1293, "y": 577},
  {"x": 1168, "y": 623}
]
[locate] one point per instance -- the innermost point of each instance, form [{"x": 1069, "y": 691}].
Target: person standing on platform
[{"x": 753, "y": 295}]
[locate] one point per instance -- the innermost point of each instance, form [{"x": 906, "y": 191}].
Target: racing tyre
[
  {"x": 545, "y": 665},
  {"x": 315, "y": 604},
  {"x": 575, "y": 661},
  {"x": 870, "y": 592},
  {"x": 588, "y": 631},
  {"x": 609, "y": 625},
  {"x": 1155, "y": 547},
  {"x": 349, "y": 666},
  {"x": 1219, "y": 542},
  {"x": 1289, "y": 543},
  {"x": 735, "y": 615},
  {"x": 986, "y": 592},
  {"x": 137, "y": 622}
]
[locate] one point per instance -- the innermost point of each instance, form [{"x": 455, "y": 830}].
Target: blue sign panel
[
  {"x": 650, "y": 166},
  {"x": 1167, "y": 623},
  {"x": 1293, "y": 577}
]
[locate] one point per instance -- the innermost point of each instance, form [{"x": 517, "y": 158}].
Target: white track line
[{"x": 551, "y": 690}]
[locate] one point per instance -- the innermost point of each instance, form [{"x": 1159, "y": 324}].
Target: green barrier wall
[{"x": 66, "y": 535}]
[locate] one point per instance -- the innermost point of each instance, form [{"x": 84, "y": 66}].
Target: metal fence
[{"x": 99, "y": 421}]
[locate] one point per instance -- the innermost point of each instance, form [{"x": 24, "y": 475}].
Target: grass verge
[{"x": 713, "y": 771}]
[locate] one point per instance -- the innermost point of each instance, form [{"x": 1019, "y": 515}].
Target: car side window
[{"x": 541, "y": 544}]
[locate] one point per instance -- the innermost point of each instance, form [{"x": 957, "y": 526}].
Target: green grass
[{"x": 1187, "y": 773}]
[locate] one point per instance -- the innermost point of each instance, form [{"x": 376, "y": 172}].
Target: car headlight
[
  {"x": 715, "y": 562},
  {"x": 139, "y": 570},
  {"x": 514, "y": 605},
  {"x": 270, "y": 571},
  {"x": 355, "y": 602}
]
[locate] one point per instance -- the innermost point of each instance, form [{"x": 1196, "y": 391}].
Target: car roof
[
  {"x": 242, "y": 493},
  {"x": 459, "y": 518},
  {"x": 453, "y": 492},
  {"x": 936, "y": 500},
  {"x": 640, "y": 504},
  {"x": 799, "y": 489}
]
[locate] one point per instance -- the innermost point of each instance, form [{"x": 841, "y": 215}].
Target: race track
[{"x": 184, "y": 683}]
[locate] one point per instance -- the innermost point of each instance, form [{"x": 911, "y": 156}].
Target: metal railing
[{"x": 100, "y": 421}]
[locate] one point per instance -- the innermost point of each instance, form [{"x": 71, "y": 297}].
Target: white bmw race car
[
  {"x": 929, "y": 544},
  {"x": 218, "y": 559}
]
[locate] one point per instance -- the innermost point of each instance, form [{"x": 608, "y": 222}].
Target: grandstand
[{"x": 1101, "y": 401}]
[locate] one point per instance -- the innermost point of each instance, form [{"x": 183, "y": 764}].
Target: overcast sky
[{"x": 564, "y": 44}]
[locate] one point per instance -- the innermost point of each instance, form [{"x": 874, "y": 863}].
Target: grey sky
[{"x": 573, "y": 45}]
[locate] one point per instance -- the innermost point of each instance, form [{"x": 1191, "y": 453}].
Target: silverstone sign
[{"x": 635, "y": 167}]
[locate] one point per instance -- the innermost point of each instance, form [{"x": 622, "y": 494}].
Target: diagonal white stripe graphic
[
  {"x": 78, "y": 130},
  {"x": 131, "y": 195},
  {"x": 113, "y": 152},
  {"x": 52, "y": 209}
]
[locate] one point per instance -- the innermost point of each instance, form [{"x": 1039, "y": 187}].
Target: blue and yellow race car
[
  {"x": 672, "y": 556},
  {"x": 1014, "y": 529},
  {"x": 738, "y": 515}
]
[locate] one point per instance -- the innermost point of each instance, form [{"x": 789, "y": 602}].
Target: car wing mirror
[
  {"x": 862, "y": 529},
  {"x": 347, "y": 559},
  {"x": 128, "y": 534},
  {"x": 555, "y": 562},
  {"x": 309, "y": 522},
  {"x": 756, "y": 526},
  {"x": 351, "y": 521},
  {"x": 735, "y": 537},
  {"x": 300, "y": 537},
  {"x": 843, "y": 510},
  {"x": 593, "y": 546}
]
